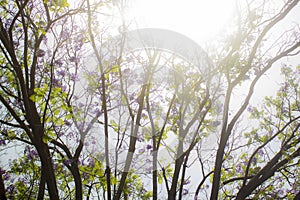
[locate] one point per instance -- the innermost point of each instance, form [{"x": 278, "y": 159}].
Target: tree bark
[
  {"x": 2, "y": 189},
  {"x": 47, "y": 168},
  {"x": 77, "y": 180},
  {"x": 178, "y": 163},
  {"x": 41, "y": 191}
]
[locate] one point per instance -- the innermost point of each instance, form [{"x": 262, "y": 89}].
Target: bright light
[{"x": 199, "y": 19}]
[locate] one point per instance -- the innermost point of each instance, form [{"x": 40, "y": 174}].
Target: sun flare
[{"x": 200, "y": 20}]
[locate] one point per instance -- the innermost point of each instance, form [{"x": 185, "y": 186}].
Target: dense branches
[{"x": 93, "y": 118}]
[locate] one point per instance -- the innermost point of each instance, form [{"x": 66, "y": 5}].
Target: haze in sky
[{"x": 200, "y": 20}]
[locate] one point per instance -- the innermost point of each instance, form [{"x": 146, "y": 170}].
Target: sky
[
  {"x": 200, "y": 20},
  {"x": 203, "y": 21}
]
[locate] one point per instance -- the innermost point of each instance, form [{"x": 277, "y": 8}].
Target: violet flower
[
  {"x": 149, "y": 146},
  {"x": 40, "y": 53}
]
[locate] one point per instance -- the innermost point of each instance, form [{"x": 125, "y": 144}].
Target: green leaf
[
  {"x": 56, "y": 112},
  {"x": 46, "y": 139},
  {"x": 11, "y": 134},
  {"x": 115, "y": 68},
  {"x": 61, "y": 3}
]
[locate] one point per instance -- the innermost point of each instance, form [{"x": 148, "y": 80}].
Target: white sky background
[
  {"x": 203, "y": 21},
  {"x": 200, "y": 20}
]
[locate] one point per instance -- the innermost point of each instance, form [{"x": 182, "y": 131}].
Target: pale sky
[{"x": 200, "y": 20}]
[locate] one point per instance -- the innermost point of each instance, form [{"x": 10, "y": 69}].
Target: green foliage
[
  {"x": 49, "y": 40},
  {"x": 25, "y": 181},
  {"x": 277, "y": 130}
]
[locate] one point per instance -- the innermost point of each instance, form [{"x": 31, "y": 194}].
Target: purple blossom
[
  {"x": 40, "y": 53},
  {"x": 260, "y": 152},
  {"x": 239, "y": 169},
  {"x": 74, "y": 77},
  {"x": 91, "y": 162},
  {"x": 59, "y": 134},
  {"x": 55, "y": 166},
  {"x": 256, "y": 71},
  {"x": 80, "y": 162},
  {"x": 27, "y": 149},
  {"x": 215, "y": 123},
  {"x": 97, "y": 111},
  {"x": 73, "y": 59},
  {"x": 284, "y": 87},
  {"x": 45, "y": 39},
  {"x": 70, "y": 134},
  {"x": 80, "y": 104},
  {"x": 67, "y": 123},
  {"x": 141, "y": 150},
  {"x": 10, "y": 189},
  {"x": 78, "y": 46},
  {"x": 55, "y": 82},
  {"x": 2, "y": 142},
  {"x": 58, "y": 62},
  {"x": 6, "y": 176},
  {"x": 149, "y": 169},
  {"x": 174, "y": 111},
  {"x": 185, "y": 192},
  {"x": 254, "y": 160},
  {"x": 250, "y": 109},
  {"x": 280, "y": 192},
  {"x": 67, "y": 162},
  {"x": 85, "y": 175},
  {"x": 144, "y": 115},
  {"x": 64, "y": 88},
  {"x": 65, "y": 34},
  {"x": 187, "y": 182},
  {"x": 32, "y": 154},
  {"x": 61, "y": 72},
  {"x": 149, "y": 146}
]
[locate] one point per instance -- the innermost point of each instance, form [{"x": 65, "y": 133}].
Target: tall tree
[{"x": 95, "y": 120}]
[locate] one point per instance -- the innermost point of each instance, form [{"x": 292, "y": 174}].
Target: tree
[
  {"x": 94, "y": 119},
  {"x": 38, "y": 41},
  {"x": 249, "y": 41}
]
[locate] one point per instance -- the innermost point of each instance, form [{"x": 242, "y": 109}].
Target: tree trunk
[
  {"x": 77, "y": 180},
  {"x": 2, "y": 189},
  {"x": 41, "y": 191},
  {"x": 178, "y": 163},
  {"x": 217, "y": 171},
  {"x": 47, "y": 169}
]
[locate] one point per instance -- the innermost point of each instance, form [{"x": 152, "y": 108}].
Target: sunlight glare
[{"x": 199, "y": 19}]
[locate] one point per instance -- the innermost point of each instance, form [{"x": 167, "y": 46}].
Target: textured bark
[
  {"x": 77, "y": 180},
  {"x": 48, "y": 171},
  {"x": 228, "y": 126},
  {"x": 2, "y": 189},
  {"x": 178, "y": 164}
]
